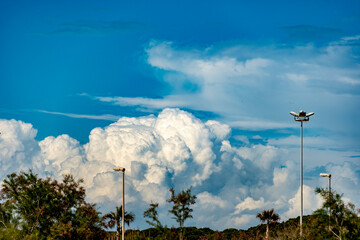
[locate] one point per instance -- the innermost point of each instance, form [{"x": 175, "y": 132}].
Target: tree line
[{"x": 35, "y": 208}]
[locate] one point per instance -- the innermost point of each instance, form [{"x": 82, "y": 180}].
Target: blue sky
[
  {"x": 52, "y": 52},
  {"x": 71, "y": 68}
]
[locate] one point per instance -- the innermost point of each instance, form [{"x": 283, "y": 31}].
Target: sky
[{"x": 184, "y": 94}]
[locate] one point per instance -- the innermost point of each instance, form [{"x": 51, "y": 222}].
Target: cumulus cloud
[
  {"x": 311, "y": 202},
  {"x": 174, "y": 149},
  {"x": 345, "y": 176},
  {"x": 18, "y": 148},
  {"x": 61, "y": 154},
  {"x": 250, "y": 204}
]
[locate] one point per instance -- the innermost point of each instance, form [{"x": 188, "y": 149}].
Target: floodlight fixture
[
  {"x": 301, "y": 116},
  {"x": 294, "y": 114},
  {"x": 310, "y": 114}
]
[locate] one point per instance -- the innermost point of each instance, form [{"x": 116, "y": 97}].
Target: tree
[
  {"x": 115, "y": 218},
  {"x": 44, "y": 208},
  {"x": 181, "y": 206},
  {"x": 270, "y": 217},
  {"x": 344, "y": 222},
  {"x": 152, "y": 213},
  {"x": 8, "y": 223}
]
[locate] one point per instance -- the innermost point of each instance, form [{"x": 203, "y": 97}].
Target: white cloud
[
  {"x": 203, "y": 68},
  {"x": 345, "y": 177},
  {"x": 219, "y": 131},
  {"x": 145, "y": 102},
  {"x": 260, "y": 155},
  {"x": 310, "y": 142},
  {"x": 252, "y": 93},
  {"x": 297, "y": 77},
  {"x": 311, "y": 202},
  {"x": 61, "y": 154},
  {"x": 72, "y": 115},
  {"x": 176, "y": 149},
  {"x": 250, "y": 204},
  {"x": 18, "y": 148},
  {"x": 254, "y": 87},
  {"x": 208, "y": 201},
  {"x": 256, "y": 124},
  {"x": 243, "y": 220},
  {"x": 349, "y": 80}
]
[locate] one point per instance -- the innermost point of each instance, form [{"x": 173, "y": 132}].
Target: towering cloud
[
  {"x": 18, "y": 148},
  {"x": 173, "y": 149}
]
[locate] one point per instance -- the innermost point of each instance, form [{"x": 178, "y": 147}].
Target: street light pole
[
  {"x": 329, "y": 176},
  {"x": 301, "y": 179},
  {"x": 123, "y": 202},
  {"x": 301, "y": 117}
]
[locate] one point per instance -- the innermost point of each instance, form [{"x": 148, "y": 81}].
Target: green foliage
[
  {"x": 181, "y": 206},
  {"x": 270, "y": 217},
  {"x": 115, "y": 219},
  {"x": 190, "y": 233},
  {"x": 152, "y": 213},
  {"x": 317, "y": 227},
  {"x": 35, "y": 208},
  {"x": 288, "y": 230},
  {"x": 344, "y": 223}
]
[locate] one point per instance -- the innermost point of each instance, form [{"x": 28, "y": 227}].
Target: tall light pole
[
  {"x": 123, "y": 202},
  {"x": 328, "y": 175},
  {"x": 301, "y": 117}
]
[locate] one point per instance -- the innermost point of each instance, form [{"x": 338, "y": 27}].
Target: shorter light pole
[
  {"x": 301, "y": 117},
  {"x": 328, "y": 175},
  {"x": 123, "y": 202}
]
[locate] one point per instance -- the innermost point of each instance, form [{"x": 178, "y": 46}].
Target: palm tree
[
  {"x": 270, "y": 217},
  {"x": 114, "y": 218}
]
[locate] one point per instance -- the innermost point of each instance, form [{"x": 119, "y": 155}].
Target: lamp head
[
  {"x": 310, "y": 114},
  {"x": 119, "y": 169},
  {"x": 302, "y": 114},
  {"x": 325, "y": 174},
  {"x": 294, "y": 114}
]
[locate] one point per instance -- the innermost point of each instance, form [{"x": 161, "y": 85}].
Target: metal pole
[
  {"x": 329, "y": 195},
  {"x": 123, "y": 207},
  {"x": 301, "y": 117},
  {"x": 123, "y": 202},
  {"x": 301, "y": 179},
  {"x": 330, "y": 200}
]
